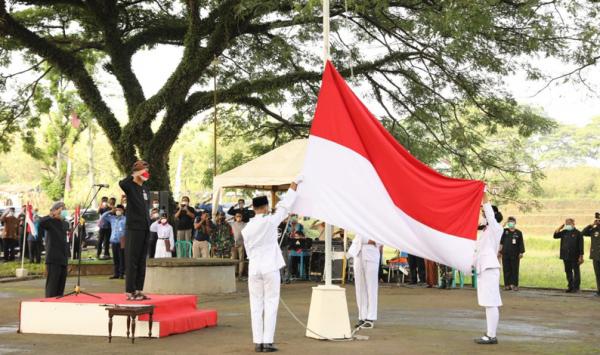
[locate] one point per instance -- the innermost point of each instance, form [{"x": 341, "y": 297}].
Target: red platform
[{"x": 173, "y": 314}]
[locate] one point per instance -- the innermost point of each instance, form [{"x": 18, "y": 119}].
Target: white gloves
[{"x": 299, "y": 179}]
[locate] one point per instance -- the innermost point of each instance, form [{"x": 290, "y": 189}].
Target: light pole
[{"x": 215, "y": 64}]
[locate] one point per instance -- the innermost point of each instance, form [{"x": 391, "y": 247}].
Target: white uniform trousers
[
  {"x": 488, "y": 288},
  {"x": 264, "y": 302},
  {"x": 366, "y": 283}
]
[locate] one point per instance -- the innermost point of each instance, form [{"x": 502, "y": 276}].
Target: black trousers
[
  {"x": 152, "y": 245},
  {"x": 103, "y": 242},
  {"x": 417, "y": 267},
  {"x": 573, "y": 273},
  {"x": 10, "y": 246},
  {"x": 118, "y": 259},
  {"x": 597, "y": 272},
  {"x": 136, "y": 250},
  {"x": 510, "y": 267},
  {"x": 56, "y": 280},
  {"x": 35, "y": 251}
]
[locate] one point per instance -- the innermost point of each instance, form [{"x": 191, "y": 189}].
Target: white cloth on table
[{"x": 164, "y": 232}]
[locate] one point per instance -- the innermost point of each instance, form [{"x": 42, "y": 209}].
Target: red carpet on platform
[{"x": 173, "y": 314}]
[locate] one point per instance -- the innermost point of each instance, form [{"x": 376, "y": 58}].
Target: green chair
[
  {"x": 461, "y": 278},
  {"x": 183, "y": 249}
]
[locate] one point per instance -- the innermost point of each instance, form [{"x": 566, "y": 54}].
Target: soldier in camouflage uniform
[{"x": 223, "y": 239}]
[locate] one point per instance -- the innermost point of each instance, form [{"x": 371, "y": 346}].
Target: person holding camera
[
  {"x": 185, "y": 219},
  {"x": 204, "y": 230},
  {"x": 241, "y": 208},
  {"x": 593, "y": 231},
  {"x": 571, "y": 252}
]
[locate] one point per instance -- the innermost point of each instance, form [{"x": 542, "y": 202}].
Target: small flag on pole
[{"x": 29, "y": 220}]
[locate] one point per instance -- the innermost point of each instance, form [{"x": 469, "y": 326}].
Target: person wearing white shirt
[
  {"x": 165, "y": 242},
  {"x": 366, "y": 254},
  {"x": 487, "y": 267},
  {"x": 265, "y": 261}
]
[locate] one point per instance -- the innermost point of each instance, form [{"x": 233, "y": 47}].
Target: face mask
[
  {"x": 568, "y": 227},
  {"x": 155, "y": 215},
  {"x": 163, "y": 221},
  {"x": 119, "y": 213},
  {"x": 155, "y": 205},
  {"x": 511, "y": 224},
  {"x": 64, "y": 214},
  {"x": 145, "y": 176}
]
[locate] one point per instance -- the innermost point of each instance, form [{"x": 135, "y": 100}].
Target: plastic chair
[{"x": 183, "y": 248}]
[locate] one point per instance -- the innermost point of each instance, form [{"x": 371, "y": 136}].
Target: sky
[{"x": 568, "y": 103}]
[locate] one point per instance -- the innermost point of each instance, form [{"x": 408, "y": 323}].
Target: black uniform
[
  {"x": 103, "y": 236},
  {"x": 417, "y": 267},
  {"x": 593, "y": 231},
  {"x": 512, "y": 246},
  {"x": 57, "y": 255},
  {"x": 571, "y": 248},
  {"x": 137, "y": 233},
  {"x": 246, "y": 213}
]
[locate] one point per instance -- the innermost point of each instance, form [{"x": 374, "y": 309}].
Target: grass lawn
[
  {"x": 541, "y": 267},
  {"x": 8, "y": 269}
]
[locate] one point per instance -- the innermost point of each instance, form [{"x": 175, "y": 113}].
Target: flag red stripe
[{"x": 445, "y": 204}]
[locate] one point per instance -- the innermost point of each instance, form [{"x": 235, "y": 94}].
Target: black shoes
[
  {"x": 359, "y": 324},
  {"x": 264, "y": 348},
  {"x": 268, "y": 348},
  {"x": 368, "y": 324},
  {"x": 486, "y": 340},
  {"x": 113, "y": 277}
]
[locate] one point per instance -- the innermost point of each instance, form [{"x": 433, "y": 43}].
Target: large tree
[{"x": 428, "y": 64}]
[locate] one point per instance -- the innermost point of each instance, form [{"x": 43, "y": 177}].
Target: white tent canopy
[{"x": 273, "y": 171}]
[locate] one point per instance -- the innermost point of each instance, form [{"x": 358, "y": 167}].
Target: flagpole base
[
  {"x": 328, "y": 315},
  {"x": 21, "y": 272}
]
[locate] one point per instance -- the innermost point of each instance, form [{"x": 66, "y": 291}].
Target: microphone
[{"x": 102, "y": 185}]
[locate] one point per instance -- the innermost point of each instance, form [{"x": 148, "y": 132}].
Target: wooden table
[{"x": 131, "y": 311}]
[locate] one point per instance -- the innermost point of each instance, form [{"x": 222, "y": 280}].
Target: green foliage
[{"x": 426, "y": 64}]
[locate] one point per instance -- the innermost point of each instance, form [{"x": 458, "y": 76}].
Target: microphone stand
[{"x": 77, "y": 289}]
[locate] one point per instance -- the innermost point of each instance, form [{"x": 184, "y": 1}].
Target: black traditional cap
[
  {"x": 597, "y": 215},
  {"x": 260, "y": 201}
]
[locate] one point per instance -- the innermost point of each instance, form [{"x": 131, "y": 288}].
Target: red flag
[
  {"x": 357, "y": 176},
  {"x": 29, "y": 220}
]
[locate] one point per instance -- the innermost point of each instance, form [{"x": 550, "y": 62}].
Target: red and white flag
[
  {"x": 358, "y": 177},
  {"x": 29, "y": 220}
]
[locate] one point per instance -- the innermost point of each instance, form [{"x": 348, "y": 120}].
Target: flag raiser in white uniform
[
  {"x": 265, "y": 260},
  {"x": 366, "y": 276}
]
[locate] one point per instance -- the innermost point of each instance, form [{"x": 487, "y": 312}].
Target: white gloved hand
[{"x": 299, "y": 179}]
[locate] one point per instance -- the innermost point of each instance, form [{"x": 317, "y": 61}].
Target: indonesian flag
[
  {"x": 358, "y": 177},
  {"x": 29, "y": 220},
  {"x": 76, "y": 216}
]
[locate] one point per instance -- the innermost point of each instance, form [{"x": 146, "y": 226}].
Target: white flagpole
[
  {"x": 328, "y": 227},
  {"x": 325, "y": 31}
]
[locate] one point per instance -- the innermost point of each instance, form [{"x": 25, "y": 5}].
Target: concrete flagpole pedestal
[{"x": 328, "y": 315}]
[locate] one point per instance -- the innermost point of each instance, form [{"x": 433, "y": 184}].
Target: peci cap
[{"x": 260, "y": 201}]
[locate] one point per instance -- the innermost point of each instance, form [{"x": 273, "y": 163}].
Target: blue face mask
[
  {"x": 64, "y": 214},
  {"x": 569, "y": 227}
]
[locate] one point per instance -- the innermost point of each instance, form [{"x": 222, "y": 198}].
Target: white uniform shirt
[
  {"x": 260, "y": 238},
  {"x": 361, "y": 248},
  {"x": 486, "y": 256}
]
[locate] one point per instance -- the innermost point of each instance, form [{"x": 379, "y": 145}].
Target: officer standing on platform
[
  {"x": 512, "y": 249},
  {"x": 57, "y": 250},
  {"x": 137, "y": 235},
  {"x": 571, "y": 252},
  {"x": 265, "y": 260},
  {"x": 593, "y": 231}
]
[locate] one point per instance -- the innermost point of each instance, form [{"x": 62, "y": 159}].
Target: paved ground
[{"x": 411, "y": 321}]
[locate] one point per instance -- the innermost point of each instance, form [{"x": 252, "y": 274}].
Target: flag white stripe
[{"x": 342, "y": 188}]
